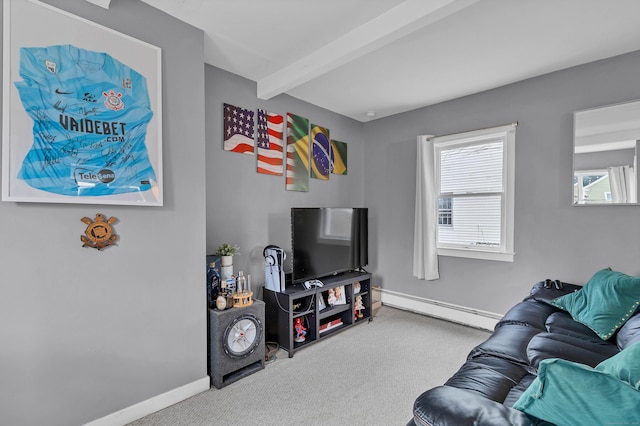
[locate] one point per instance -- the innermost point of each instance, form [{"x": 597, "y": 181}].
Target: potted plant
[{"x": 226, "y": 252}]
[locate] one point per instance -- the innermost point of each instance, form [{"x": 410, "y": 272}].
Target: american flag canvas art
[
  {"x": 238, "y": 129},
  {"x": 270, "y": 144},
  {"x": 320, "y": 153},
  {"x": 297, "y": 153}
]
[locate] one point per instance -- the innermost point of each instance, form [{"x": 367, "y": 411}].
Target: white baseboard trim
[
  {"x": 151, "y": 405},
  {"x": 447, "y": 311}
]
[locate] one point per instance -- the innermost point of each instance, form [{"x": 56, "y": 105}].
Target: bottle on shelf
[{"x": 240, "y": 283}]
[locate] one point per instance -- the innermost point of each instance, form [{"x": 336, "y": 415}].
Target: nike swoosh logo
[{"x": 62, "y": 93}]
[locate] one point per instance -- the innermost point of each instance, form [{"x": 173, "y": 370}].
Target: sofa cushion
[
  {"x": 488, "y": 376},
  {"x": 528, "y": 313},
  {"x": 567, "y": 393},
  {"x": 571, "y": 348},
  {"x": 518, "y": 390},
  {"x": 605, "y": 303},
  {"x": 624, "y": 366},
  {"x": 560, "y": 322},
  {"x": 508, "y": 342},
  {"x": 449, "y": 406},
  {"x": 629, "y": 333}
]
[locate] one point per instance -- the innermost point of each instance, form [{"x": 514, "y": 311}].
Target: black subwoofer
[{"x": 236, "y": 343}]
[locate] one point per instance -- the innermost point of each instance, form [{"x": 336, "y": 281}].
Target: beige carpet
[{"x": 367, "y": 375}]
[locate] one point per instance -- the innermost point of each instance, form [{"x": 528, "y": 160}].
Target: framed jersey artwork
[{"x": 82, "y": 111}]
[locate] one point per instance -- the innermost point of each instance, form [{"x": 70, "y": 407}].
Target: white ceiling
[{"x": 391, "y": 56}]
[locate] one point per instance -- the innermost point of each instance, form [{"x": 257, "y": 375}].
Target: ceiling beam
[
  {"x": 392, "y": 25},
  {"x": 101, "y": 3}
]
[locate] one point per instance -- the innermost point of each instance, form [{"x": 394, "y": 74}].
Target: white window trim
[{"x": 506, "y": 252}]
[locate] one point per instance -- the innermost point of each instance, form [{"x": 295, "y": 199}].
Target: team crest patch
[
  {"x": 99, "y": 233},
  {"x": 113, "y": 101}
]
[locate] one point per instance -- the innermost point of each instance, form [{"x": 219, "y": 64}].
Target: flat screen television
[{"x": 327, "y": 241}]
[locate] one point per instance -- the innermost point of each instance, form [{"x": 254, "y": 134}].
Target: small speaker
[{"x": 236, "y": 343}]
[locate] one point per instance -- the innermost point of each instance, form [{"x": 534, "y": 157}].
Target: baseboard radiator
[{"x": 447, "y": 311}]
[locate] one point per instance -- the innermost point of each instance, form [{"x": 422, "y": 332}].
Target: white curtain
[
  {"x": 425, "y": 254},
  {"x": 622, "y": 180}
]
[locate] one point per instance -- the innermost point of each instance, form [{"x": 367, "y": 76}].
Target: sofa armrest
[
  {"x": 546, "y": 295},
  {"x": 449, "y": 406}
]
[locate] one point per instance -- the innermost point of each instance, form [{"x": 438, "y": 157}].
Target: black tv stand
[{"x": 298, "y": 303}]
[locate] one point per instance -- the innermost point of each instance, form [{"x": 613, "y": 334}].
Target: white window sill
[{"x": 475, "y": 254}]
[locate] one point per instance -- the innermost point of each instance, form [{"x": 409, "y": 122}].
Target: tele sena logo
[{"x": 104, "y": 176}]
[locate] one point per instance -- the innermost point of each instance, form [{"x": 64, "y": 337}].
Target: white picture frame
[
  {"x": 31, "y": 24},
  {"x": 337, "y": 296},
  {"x": 321, "y": 304}
]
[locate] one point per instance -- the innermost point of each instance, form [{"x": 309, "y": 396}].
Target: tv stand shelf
[
  {"x": 316, "y": 309},
  {"x": 332, "y": 311}
]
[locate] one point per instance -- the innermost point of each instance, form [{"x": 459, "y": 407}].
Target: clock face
[{"x": 242, "y": 336}]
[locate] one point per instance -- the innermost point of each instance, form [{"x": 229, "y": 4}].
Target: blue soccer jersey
[{"x": 90, "y": 114}]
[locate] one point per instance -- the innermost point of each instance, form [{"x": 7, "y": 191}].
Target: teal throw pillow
[
  {"x": 569, "y": 394},
  {"x": 605, "y": 303},
  {"x": 624, "y": 366}
]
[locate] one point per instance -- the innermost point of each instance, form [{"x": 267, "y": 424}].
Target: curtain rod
[{"x": 514, "y": 124}]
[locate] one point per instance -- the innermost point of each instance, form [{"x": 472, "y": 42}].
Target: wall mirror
[{"x": 606, "y": 142}]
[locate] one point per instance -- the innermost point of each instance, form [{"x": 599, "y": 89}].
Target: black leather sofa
[{"x": 497, "y": 372}]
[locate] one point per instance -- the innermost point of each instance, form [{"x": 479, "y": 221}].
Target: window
[
  {"x": 474, "y": 180},
  {"x": 444, "y": 211}
]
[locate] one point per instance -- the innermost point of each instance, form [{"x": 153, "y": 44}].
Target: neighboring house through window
[
  {"x": 591, "y": 186},
  {"x": 474, "y": 180},
  {"x": 444, "y": 211}
]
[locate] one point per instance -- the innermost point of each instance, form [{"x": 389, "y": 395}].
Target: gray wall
[
  {"x": 552, "y": 238},
  {"x": 251, "y": 209},
  {"x": 604, "y": 159},
  {"x": 86, "y": 333}
]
